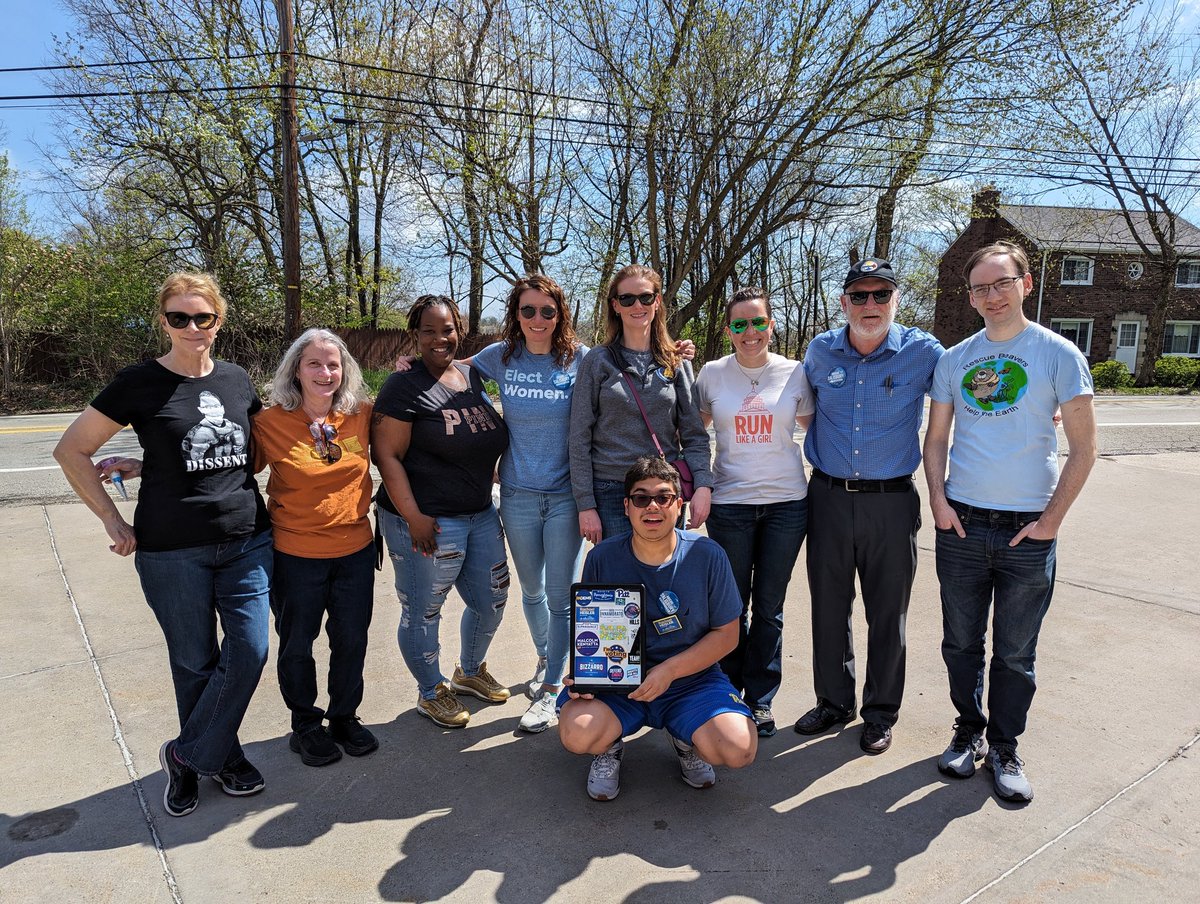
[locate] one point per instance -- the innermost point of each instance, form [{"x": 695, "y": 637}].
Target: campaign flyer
[{"x": 606, "y": 637}]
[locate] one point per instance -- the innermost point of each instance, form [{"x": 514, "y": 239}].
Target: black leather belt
[
  {"x": 995, "y": 517},
  {"x": 891, "y": 485}
]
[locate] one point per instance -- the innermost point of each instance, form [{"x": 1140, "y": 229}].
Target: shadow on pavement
[{"x": 491, "y": 799}]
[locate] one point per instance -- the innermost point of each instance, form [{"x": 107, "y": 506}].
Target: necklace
[{"x": 754, "y": 380}]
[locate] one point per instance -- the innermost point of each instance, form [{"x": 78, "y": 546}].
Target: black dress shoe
[
  {"x": 240, "y": 778},
  {"x": 821, "y": 718},
  {"x": 356, "y": 739},
  {"x": 315, "y": 746},
  {"x": 876, "y": 738},
  {"x": 183, "y": 785}
]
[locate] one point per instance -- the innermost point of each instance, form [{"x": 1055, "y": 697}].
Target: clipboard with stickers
[{"x": 607, "y": 642}]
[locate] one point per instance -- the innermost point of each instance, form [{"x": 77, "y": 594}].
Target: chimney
[{"x": 985, "y": 203}]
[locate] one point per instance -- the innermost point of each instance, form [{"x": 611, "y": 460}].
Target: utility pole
[{"x": 291, "y": 173}]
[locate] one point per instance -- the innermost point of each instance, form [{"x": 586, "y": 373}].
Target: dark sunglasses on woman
[
  {"x": 528, "y": 312},
  {"x": 645, "y": 300},
  {"x": 323, "y": 439},
  {"x": 179, "y": 320}
]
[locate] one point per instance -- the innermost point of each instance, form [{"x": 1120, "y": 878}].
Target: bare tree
[
  {"x": 1134, "y": 109},
  {"x": 732, "y": 147}
]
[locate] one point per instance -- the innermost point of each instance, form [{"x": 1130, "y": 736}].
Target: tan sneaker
[
  {"x": 483, "y": 685},
  {"x": 444, "y": 709}
]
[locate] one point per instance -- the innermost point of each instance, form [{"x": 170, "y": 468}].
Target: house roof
[{"x": 1091, "y": 229}]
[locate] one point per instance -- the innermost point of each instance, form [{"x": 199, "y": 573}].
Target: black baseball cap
[{"x": 870, "y": 268}]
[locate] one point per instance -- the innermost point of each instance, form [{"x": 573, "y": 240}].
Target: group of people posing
[{"x": 608, "y": 445}]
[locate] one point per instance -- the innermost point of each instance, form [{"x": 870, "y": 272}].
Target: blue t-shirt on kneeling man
[{"x": 696, "y": 587}]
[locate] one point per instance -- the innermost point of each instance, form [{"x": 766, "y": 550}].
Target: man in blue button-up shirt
[{"x": 869, "y": 378}]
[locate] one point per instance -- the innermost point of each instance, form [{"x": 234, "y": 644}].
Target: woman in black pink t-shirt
[
  {"x": 200, "y": 530},
  {"x": 436, "y": 438}
]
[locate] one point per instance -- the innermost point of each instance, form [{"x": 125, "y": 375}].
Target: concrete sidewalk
[{"x": 489, "y": 814}]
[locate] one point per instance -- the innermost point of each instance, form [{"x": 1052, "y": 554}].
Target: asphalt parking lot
[{"x": 489, "y": 814}]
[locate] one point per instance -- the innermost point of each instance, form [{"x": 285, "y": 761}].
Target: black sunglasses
[
  {"x": 645, "y": 299},
  {"x": 179, "y": 320},
  {"x": 643, "y": 500},
  {"x": 323, "y": 436},
  {"x": 881, "y": 296},
  {"x": 529, "y": 312}
]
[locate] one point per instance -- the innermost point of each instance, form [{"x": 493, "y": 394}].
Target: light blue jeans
[
  {"x": 547, "y": 550},
  {"x": 471, "y": 559}
]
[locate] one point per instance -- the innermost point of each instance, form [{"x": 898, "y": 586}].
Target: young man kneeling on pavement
[{"x": 690, "y": 620}]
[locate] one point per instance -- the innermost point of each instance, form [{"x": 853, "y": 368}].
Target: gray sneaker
[
  {"x": 1008, "y": 776},
  {"x": 604, "y": 776},
  {"x": 694, "y": 770},
  {"x": 540, "y": 714},
  {"x": 533, "y": 687},
  {"x": 966, "y": 749}
]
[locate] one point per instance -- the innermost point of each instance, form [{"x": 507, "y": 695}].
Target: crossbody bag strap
[{"x": 637, "y": 398}]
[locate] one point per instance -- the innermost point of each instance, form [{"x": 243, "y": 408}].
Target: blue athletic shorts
[{"x": 687, "y": 704}]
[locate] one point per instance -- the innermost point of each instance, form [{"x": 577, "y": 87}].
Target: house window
[
  {"x": 1181, "y": 339},
  {"x": 1078, "y": 331},
  {"x": 1135, "y": 271},
  {"x": 1187, "y": 274},
  {"x": 1077, "y": 271},
  {"x": 1128, "y": 335}
]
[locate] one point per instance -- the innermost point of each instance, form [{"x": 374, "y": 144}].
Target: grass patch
[
  {"x": 1147, "y": 391},
  {"x": 47, "y": 398}
]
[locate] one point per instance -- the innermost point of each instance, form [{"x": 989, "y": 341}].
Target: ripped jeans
[{"x": 470, "y": 558}]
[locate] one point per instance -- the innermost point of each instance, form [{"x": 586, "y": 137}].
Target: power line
[
  {"x": 359, "y": 101},
  {"x": 523, "y": 90},
  {"x": 65, "y": 67}
]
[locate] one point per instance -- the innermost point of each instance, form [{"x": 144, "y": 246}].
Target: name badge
[{"x": 668, "y": 624}]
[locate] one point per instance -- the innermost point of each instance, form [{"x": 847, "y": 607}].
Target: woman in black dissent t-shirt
[
  {"x": 436, "y": 439},
  {"x": 200, "y": 532}
]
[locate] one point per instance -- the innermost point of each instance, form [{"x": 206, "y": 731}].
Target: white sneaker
[
  {"x": 694, "y": 770},
  {"x": 533, "y": 687},
  {"x": 540, "y": 714},
  {"x": 604, "y": 776}
]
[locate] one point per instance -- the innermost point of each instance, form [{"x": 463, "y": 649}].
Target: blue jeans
[
  {"x": 973, "y": 572},
  {"x": 302, "y": 592},
  {"x": 188, "y": 590},
  {"x": 762, "y": 542},
  {"x": 547, "y": 550},
  {"x": 471, "y": 559},
  {"x": 610, "y": 506}
]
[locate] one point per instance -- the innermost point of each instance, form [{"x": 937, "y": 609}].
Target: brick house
[{"x": 1091, "y": 281}]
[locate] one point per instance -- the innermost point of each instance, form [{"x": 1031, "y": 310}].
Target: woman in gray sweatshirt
[{"x": 608, "y": 432}]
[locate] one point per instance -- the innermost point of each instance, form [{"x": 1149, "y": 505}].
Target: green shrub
[
  {"x": 1176, "y": 370},
  {"x": 375, "y": 379},
  {"x": 1111, "y": 375}
]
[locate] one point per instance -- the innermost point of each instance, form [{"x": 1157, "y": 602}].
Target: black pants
[
  {"x": 302, "y": 591},
  {"x": 875, "y": 536}
]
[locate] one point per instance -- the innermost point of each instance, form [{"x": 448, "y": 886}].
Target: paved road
[{"x": 1129, "y": 425}]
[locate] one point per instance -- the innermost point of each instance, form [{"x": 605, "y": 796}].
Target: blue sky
[{"x": 26, "y": 39}]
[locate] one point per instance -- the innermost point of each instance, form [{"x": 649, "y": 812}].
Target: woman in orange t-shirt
[{"x": 315, "y": 438}]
